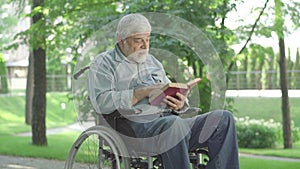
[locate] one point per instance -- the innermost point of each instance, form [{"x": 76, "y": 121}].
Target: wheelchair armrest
[
  {"x": 193, "y": 110},
  {"x": 190, "y": 112}
]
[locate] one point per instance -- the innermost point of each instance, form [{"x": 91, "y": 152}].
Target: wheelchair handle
[{"x": 80, "y": 72}]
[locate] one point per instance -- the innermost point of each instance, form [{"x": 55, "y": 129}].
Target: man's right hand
[{"x": 143, "y": 92}]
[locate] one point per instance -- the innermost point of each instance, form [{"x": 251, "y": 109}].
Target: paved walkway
[
  {"x": 10, "y": 162},
  {"x": 260, "y": 93},
  {"x": 270, "y": 158},
  {"x": 73, "y": 127}
]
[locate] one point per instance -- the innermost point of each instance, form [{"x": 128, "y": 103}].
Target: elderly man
[{"x": 122, "y": 80}]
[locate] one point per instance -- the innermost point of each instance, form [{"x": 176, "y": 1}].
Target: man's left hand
[{"x": 175, "y": 103}]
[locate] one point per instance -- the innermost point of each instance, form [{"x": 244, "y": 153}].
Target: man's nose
[{"x": 145, "y": 44}]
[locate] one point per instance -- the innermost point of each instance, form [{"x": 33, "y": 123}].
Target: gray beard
[{"x": 138, "y": 57}]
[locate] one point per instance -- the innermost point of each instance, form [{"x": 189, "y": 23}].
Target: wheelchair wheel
[{"x": 98, "y": 147}]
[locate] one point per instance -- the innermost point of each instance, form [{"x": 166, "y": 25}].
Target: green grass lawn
[
  {"x": 58, "y": 146},
  {"x": 12, "y": 122},
  {"x": 250, "y": 163},
  {"x": 266, "y": 108},
  {"x": 12, "y": 113}
]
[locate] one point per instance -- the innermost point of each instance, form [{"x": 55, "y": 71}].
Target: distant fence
[
  {"x": 238, "y": 80},
  {"x": 54, "y": 83}
]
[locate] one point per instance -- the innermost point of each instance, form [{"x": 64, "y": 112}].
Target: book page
[{"x": 192, "y": 83}]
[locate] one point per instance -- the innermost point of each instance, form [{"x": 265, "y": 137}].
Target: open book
[{"x": 171, "y": 89}]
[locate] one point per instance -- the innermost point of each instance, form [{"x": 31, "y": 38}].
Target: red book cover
[{"x": 171, "y": 89}]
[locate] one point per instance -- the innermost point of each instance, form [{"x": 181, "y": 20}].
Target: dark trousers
[
  {"x": 173, "y": 138},
  {"x": 183, "y": 135}
]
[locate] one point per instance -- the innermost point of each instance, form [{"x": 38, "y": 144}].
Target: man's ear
[
  {"x": 121, "y": 43},
  {"x": 119, "y": 38}
]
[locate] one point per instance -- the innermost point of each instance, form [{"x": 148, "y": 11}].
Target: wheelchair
[{"x": 102, "y": 147}]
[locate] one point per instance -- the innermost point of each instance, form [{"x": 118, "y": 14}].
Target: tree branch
[{"x": 248, "y": 40}]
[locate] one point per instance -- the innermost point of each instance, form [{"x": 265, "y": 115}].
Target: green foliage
[
  {"x": 229, "y": 105},
  {"x": 270, "y": 22},
  {"x": 258, "y": 65},
  {"x": 205, "y": 95},
  {"x": 292, "y": 12},
  {"x": 8, "y": 20},
  {"x": 66, "y": 25},
  {"x": 257, "y": 133},
  {"x": 72, "y": 22},
  {"x": 261, "y": 133},
  {"x": 296, "y": 68},
  {"x": 267, "y": 81},
  {"x": 3, "y": 76}
]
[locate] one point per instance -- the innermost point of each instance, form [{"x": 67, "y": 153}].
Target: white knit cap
[{"x": 132, "y": 24}]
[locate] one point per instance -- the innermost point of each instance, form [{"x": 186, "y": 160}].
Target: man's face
[{"x": 136, "y": 47}]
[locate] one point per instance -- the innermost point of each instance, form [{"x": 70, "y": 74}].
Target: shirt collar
[{"x": 119, "y": 56}]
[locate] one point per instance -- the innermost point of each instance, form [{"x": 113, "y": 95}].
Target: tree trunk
[
  {"x": 286, "y": 117},
  {"x": 29, "y": 91},
  {"x": 285, "y": 107},
  {"x": 39, "y": 93}
]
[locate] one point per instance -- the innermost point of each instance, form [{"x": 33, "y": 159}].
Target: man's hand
[
  {"x": 143, "y": 92},
  {"x": 175, "y": 103}
]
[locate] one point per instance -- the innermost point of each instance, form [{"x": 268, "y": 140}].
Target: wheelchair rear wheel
[{"x": 98, "y": 147}]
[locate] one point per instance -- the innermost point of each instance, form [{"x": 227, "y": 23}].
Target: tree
[
  {"x": 29, "y": 90},
  {"x": 3, "y": 78},
  {"x": 39, "y": 64},
  {"x": 56, "y": 26},
  {"x": 286, "y": 117},
  {"x": 264, "y": 27}
]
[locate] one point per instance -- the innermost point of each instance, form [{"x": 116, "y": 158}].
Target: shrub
[
  {"x": 253, "y": 133},
  {"x": 257, "y": 133},
  {"x": 296, "y": 132}
]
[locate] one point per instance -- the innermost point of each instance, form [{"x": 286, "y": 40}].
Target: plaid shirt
[{"x": 113, "y": 78}]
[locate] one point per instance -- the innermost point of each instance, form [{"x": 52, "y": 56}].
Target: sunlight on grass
[
  {"x": 251, "y": 163},
  {"x": 12, "y": 113},
  {"x": 266, "y": 108},
  {"x": 58, "y": 146}
]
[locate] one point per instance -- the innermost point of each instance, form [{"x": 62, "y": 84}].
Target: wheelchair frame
[
  {"x": 118, "y": 154},
  {"x": 100, "y": 144}
]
